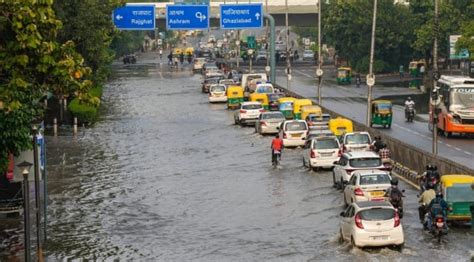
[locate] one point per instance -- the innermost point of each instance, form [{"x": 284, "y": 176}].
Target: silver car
[{"x": 268, "y": 122}]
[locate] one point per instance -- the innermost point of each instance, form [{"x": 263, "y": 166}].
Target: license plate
[
  {"x": 380, "y": 238},
  {"x": 377, "y": 193},
  {"x": 326, "y": 154},
  {"x": 295, "y": 135}
]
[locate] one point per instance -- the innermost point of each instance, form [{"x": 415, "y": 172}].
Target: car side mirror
[{"x": 341, "y": 214}]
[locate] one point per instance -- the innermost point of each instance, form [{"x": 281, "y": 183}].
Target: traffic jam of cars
[{"x": 359, "y": 169}]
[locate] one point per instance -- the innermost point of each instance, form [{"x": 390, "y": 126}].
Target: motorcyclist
[
  {"x": 431, "y": 174},
  {"x": 385, "y": 153},
  {"x": 395, "y": 196},
  {"x": 409, "y": 105},
  {"x": 425, "y": 199},
  {"x": 277, "y": 146},
  {"x": 437, "y": 206},
  {"x": 377, "y": 144}
]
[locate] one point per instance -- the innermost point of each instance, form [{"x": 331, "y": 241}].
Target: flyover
[{"x": 300, "y": 12}]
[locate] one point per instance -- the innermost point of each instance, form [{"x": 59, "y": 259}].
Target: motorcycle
[
  {"x": 438, "y": 227},
  {"x": 409, "y": 113}
]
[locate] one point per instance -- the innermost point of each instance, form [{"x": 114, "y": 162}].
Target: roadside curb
[{"x": 406, "y": 174}]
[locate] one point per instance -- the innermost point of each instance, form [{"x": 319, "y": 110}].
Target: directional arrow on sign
[
  {"x": 257, "y": 15},
  {"x": 119, "y": 17}
]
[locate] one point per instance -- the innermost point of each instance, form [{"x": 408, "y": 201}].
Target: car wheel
[{"x": 341, "y": 184}]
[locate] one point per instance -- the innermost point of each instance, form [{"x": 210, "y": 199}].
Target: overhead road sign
[
  {"x": 243, "y": 16},
  {"x": 187, "y": 17},
  {"x": 134, "y": 17}
]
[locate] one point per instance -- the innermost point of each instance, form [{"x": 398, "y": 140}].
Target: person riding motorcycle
[
  {"x": 377, "y": 144},
  {"x": 395, "y": 196},
  {"x": 437, "y": 206},
  {"x": 277, "y": 146},
  {"x": 409, "y": 106},
  {"x": 429, "y": 178},
  {"x": 425, "y": 199}
]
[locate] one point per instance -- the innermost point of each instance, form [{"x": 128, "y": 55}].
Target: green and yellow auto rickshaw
[
  {"x": 297, "y": 106},
  {"x": 285, "y": 105},
  {"x": 259, "y": 97},
  {"x": 344, "y": 75},
  {"x": 414, "y": 67},
  {"x": 381, "y": 113},
  {"x": 235, "y": 96},
  {"x": 458, "y": 192}
]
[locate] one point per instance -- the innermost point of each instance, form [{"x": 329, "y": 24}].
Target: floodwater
[{"x": 165, "y": 176}]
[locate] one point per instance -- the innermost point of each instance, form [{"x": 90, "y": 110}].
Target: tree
[{"x": 31, "y": 64}]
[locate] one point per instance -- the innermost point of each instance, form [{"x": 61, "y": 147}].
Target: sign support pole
[
  {"x": 370, "y": 79},
  {"x": 435, "y": 73},
  {"x": 271, "y": 21}
]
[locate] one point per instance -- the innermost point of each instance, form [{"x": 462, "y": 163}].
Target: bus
[{"x": 455, "y": 109}]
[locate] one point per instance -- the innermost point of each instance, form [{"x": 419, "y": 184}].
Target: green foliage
[
  {"x": 84, "y": 112},
  {"x": 126, "y": 42},
  {"x": 466, "y": 41},
  {"x": 31, "y": 64}
]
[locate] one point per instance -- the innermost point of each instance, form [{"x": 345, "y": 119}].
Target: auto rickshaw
[
  {"x": 344, "y": 75},
  {"x": 273, "y": 101},
  {"x": 297, "y": 107},
  {"x": 381, "y": 113},
  {"x": 306, "y": 110},
  {"x": 458, "y": 192},
  {"x": 258, "y": 97},
  {"x": 339, "y": 126},
  {"x": 285, "y": 105},
  {"x": 235, "y": 96},
  {"x": 414, "y": 67},
  {"x": 189, "y": 51}
]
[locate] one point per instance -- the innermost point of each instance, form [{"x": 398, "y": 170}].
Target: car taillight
[
  {"x": 261, "y": 110},
  {"x": 358, "y": 221},
  {"x": 284, "y": 135},
  {"x": 339, "y": 153},
  {"x": 397, "y": 219},
  {"x": 313, "y": 154},
  {"x": 358, "y": 192},
  {"x": 243, "y": 111}
]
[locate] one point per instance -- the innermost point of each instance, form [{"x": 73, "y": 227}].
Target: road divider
[{"x": 409, "y": 161}]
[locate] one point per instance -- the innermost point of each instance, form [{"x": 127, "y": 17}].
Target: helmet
[
  {"x": 429, "y": 167},
  {"x": 394, "y": 181}
]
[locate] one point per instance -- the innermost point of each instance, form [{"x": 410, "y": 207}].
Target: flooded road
[{"x": 165, "y": 176}]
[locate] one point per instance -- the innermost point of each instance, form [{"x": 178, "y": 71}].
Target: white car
[
  {"x": 371, "y": 224},
  {"x": 227, "y": 82},
  {"x": 217, "y": 93},
  {"x": 321, "y": 151},
  {"x": 269, "y": 122},
  {"x": 294, "y": 133},
  {"x": 354, "y": 161},
  {"x": 248, "y": 113},
  {"x": 367, "y": 185},
  {"x": 308, "y": 55},
  {"x": 198, "y": 63},
  {"x": 356, "y": 141}
]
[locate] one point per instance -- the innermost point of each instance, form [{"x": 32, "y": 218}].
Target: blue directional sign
[
  {"x": 241, "y": 16},
  {"x": 135, "y": 17},
  {"x": 186, "y": 17}
]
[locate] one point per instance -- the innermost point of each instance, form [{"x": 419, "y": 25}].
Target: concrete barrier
[{"x": 408, "y": 159}]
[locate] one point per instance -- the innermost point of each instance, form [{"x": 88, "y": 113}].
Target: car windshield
[
  {"x": 273, "y": 116},
  {"x": 252, "y": 106},
  {"x": 384, "y": 107},
  {"x": 218, "y": 88},
  {"x": 265, "y": 89},
  {"x": 365, "y": 162},
  {"x": 460, "y": 193},
  {"x": 377, "y": 214},
  {"x": 374, "y": 179},
  {"x": 463, "y": 97},
  {"x": 286, "y": 106},
  {"x": 213, "y": 80},
  {"x": 295, "y": 126},
  {"x": 308, "y": 52},
  {"x": 326, "y": 144},
  {"x": 357, "y": 139},
  {"x": 326, "y": 118}
]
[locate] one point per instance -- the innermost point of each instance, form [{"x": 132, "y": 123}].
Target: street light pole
[
  {"x": 266, "y": 30},
  {"x": 39, "y": 249},
  {"x": 435, "y": 74},
  {"x": 370, "y": 77},
  {"x": 25, "y": 171},
  {"x": 319, "y": 73},
  {"x": 288, "y": 66}
]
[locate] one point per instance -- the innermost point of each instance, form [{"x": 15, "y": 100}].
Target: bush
[
  {"x": 96, "y": 91},
  {"x": 85, "y": 113}
]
